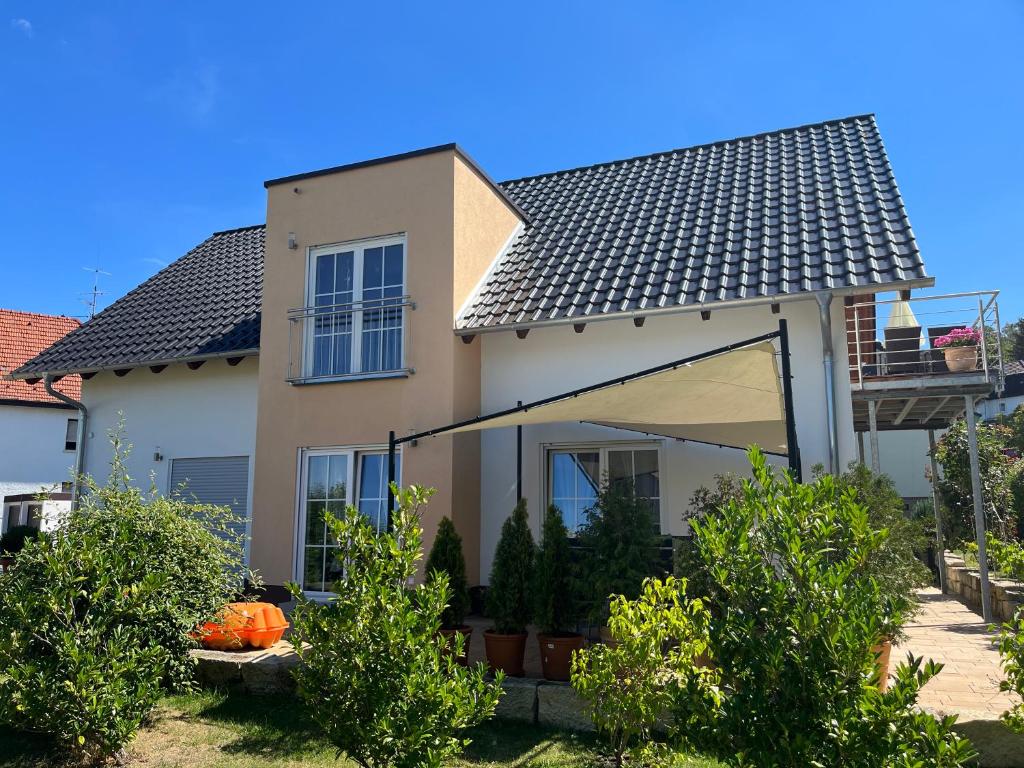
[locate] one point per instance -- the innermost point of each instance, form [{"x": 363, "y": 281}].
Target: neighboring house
[
  {"x": 1012, "y": 396},
  {"x": 38, "y": 432},
  {"x": 400, "y": 294}
]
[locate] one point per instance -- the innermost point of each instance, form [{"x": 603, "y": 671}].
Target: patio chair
[{"x": 903, "y": 351}]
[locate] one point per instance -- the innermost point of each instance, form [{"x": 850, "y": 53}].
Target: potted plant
[
  {"x": 508, "y": 599},
  {"x": 960, "y": 348},
  {"x": 446, "y": 557},
  {"x": 555, "y": 600},
  {"x": 620, "y": 543}
]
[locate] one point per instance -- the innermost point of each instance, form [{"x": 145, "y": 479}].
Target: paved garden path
[{"x": 948, "y": 631}]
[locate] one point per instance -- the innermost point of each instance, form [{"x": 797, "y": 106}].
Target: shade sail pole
[
  {"x": 519, "y": 458},
  {"x": 391, "y": 474},
  {"x": 792, "y": 447}
]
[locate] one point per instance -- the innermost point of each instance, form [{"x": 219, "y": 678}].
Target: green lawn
[{"x": 212, "y": 730}]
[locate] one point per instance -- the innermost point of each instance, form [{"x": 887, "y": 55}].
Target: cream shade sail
[{"x": 734, "y": 398}]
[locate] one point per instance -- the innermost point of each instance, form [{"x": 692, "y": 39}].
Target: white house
[
  {"x": 38, "y": 432},
  {"x": 388, "y": 306}
]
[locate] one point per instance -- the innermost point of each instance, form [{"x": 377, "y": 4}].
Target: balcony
[
  {"x": 895, "y": 363},
  {"x": 341, "y": 342}
]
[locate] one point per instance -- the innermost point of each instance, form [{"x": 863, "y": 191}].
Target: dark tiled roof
[
  {"x": 803, "y": 209},
  {"x": 22, "y": 336},
  {"x": 205, "y": 304},
  {"x": 1014, "y": 368}
]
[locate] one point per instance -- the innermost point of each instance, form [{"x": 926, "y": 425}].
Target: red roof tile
[{"x": 23, "y": 335}]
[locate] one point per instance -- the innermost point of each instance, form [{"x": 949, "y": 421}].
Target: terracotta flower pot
[
  {"x": 882, "y": 653},
  {"x": 961, "y": 359},
  {"x": 505, "y": 652},
  {"x": 556, "y": 654},
  {"x": 467, "y": 635}
]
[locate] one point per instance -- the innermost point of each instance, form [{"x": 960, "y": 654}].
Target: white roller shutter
[{"x": 220, "y": 480}]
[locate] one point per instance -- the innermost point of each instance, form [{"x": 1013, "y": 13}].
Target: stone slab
[
  {"x": 558, "y": 705},
  {"x": 519, "y": 702},
  {"x": 257, "y": 671}
]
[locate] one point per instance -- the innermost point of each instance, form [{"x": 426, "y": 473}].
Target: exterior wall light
[{"x": 293, "y": 243}]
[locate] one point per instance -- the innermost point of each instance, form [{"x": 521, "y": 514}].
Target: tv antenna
[{"x": 89, "y": 297}]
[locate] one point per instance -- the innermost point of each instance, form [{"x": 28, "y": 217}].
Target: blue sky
[{"x": 130, "y": 131}]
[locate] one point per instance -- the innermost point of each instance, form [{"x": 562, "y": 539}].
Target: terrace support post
[
  {"x": 860, "y": 447},
  {"x": 792, "y": 444},
  {"x": 939, "y": 543},
  {"x": 519, "y": 459},
  {"x": 876, "y": 460},
  {"x": 391, "y": 474},
  {"x": 828, "y": 362},
  {"x": 979, "y": 509}
]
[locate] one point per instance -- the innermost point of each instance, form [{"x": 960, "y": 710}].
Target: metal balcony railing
[
  {"x": 895, "y": 339},
  {"x": 359, "y": 339}
]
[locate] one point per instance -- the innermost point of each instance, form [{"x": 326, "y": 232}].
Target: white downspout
[
  {"x": 825, "y": 315},
  {"x": 83, "y": 419}
]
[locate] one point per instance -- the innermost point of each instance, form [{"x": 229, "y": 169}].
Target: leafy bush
[
  {"x": 796, "y": 615},
  {"x": 374, "y": 670},
  {"x": 446, "y": 557},
  {"x": 895, "y": 563},
  {"x": 100, "y": 612},
  {"x": 13, "y": 540},
  {"x": 686, "y": 563},
  {"x": 508, "y": 598},
  {"x": 1004, "y": 557},
  {"x": 1011, "y": 651},
  {"x": 619, "y": 542},
  {"x": 555, "y": 585},
  {"x": 633, "y": 683},
  {"x": 997, "y": 473}
]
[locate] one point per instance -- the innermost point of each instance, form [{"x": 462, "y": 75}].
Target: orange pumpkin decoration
[{"x": 240, "y": 624}]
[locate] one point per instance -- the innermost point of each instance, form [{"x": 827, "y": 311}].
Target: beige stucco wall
[{"x": 449, "y": 217}]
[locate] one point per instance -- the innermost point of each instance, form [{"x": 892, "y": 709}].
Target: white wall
[
  {"x": 556, "y": 359},
  {"x": 32, "y": 455},
  {"x": 903, "y": 456},
  {"x": 183, "y": 413},
  {"x": 1004, "y": 406}
]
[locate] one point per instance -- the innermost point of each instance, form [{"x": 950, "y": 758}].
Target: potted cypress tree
[
  {"x": 555, "y": 599},
  {"x": 508, "y": 599},
  {"x": 446, "y": 557}
]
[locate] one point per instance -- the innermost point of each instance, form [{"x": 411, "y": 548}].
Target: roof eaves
[{"x": 20, "y": 373}]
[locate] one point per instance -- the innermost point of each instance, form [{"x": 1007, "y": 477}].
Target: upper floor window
[
  {"x": 355, "y": 300},
  {"x": 71, "y": 435}
]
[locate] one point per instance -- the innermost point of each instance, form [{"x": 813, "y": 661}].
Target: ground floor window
[
  {"x": 331, "y": 480},
  {"x": 576, "y": 473}
]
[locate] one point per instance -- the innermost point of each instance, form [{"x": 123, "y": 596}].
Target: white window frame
[
  {"x": 358, "y": 247},
  {"x": 602, "y": 448},
  {"x": 354, "y": 454}
]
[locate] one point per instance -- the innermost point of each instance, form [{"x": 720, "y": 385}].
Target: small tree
[
  {"x": 796, "y": 617},
  {"x": 446, "y": 558},
  {"x": 379, "y": 679},
  {"x": 996, "y": 476},
  {"x": 631, "y": 685},
  {"x": 99, "y": 613},
  {"x": 620, "y": 543},
  {"x": 555, "y": 586},
  {"x": 508, "y": 598}
]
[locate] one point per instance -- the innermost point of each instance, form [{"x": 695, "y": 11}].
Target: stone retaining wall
[
  {"x": 269, "y": 671},
  {"x": 965, "y": 583}
]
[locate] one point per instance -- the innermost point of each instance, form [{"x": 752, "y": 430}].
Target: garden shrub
[
  {"x": 101, "y": 612},
  {"x": 374, "y": 670},
  {"x": 509, "y": 602},
  {"x": 14, "y": 538},
  {"x": 997, "y": 474},
  {"x": 1011, "y": 652},
  {"x": 555, "y": 582},
  {"x": 1006, "y": 558},
  {"x": 619, "y": 543},
  {"x": 446, "y": 557},
  {"x": 795, "y": 618},
  {"x": 630, "y": 685}
]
